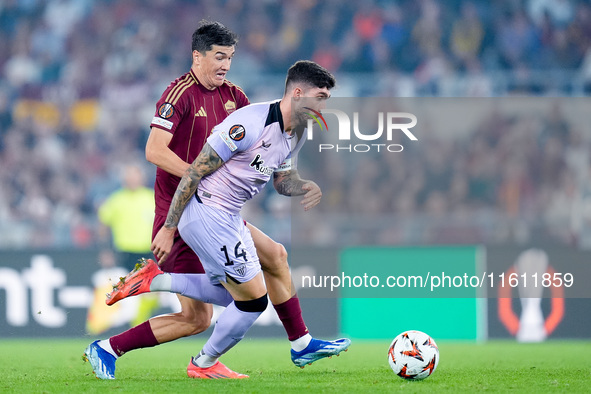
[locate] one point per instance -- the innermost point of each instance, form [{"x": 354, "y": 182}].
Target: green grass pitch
[{"x": 56, "y": 366}]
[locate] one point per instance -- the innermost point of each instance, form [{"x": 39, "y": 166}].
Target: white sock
[
  {"x": 301, "y": 343},
  {"x": 202, "y": 360},
  {"x": 105, "y": 344},
  {"x": 161, "y": 282}
]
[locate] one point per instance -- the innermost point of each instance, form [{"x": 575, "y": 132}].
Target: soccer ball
[{"x": 413, "y": 355}]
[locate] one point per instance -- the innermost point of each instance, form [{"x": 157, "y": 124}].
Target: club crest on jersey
[
  {"x": 240, "y": 269},
  {"x": 257, "y": 164},
  {"x": 166, "y": 111},
  {"x": 230, "y": 106}
]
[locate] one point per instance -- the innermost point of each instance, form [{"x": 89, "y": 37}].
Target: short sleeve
[
  {"x": 232, "y": 136},
  {"x": 241, "y": 98},
  {"x": 291, "y": 161},
  {"x": 288, "y": 164},
  {"x": 169, "y": 114}
]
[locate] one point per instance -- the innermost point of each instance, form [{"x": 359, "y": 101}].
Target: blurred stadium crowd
[
  {"x": 519, "y": 172},
  {"x": 80, "y": 79}
]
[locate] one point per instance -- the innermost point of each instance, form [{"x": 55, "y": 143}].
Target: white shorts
[{"x": 221, "y": 240}]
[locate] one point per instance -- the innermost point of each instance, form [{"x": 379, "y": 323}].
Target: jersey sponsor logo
[
  {"x": 201, "y": 112},
  {"x": 228, "y": 141},
  {"x": 257, "y": 164},
  {"x": 167, "y": 124},
  {"x": 230, "y": 106},
  {"x": 237, "y": 132},
  {"x": 166, "y": 111}
]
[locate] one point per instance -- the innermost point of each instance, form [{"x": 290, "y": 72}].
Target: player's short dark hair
[
  {"x": 311, "y": 73},
  {"x": 212, "y": 33}
]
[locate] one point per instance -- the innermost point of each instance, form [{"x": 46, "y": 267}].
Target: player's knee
[
  {"x": 257, "y": 305},
  {"x": 281, "y": 253},
  {"x": 199, "y": 326},
  {"x": 276, "y": 258}
]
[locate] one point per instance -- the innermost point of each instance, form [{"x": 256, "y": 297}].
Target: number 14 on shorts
[{"x": 237, "y": 252}]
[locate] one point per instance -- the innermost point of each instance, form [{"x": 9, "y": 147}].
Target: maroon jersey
[{"x": 190, "y": 111}]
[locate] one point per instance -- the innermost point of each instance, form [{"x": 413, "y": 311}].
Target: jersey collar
[
  {"x": 275, "y": 115},
  {"x": 200, "y": 85}
]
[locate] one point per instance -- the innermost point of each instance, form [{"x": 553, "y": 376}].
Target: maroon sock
[
  {"x": 290, "y": 315},
  {"x": 134, "y": 338}
]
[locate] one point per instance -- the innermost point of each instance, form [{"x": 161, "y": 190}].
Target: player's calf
[{"x": 230, "y": 328}]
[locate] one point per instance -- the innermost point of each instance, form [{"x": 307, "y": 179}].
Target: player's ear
[
  {"x": 298, "y": 92},
  {"x": 197, "y": 57}
]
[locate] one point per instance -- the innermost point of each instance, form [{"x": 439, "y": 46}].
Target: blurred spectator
[
  {"x": 427, "y": 32},
  {"x": 129, "y": 213},
  {"x": 516, "y": 40},
  {"x": 560, "y": 12},
  {"x": 467, "y": 34}
]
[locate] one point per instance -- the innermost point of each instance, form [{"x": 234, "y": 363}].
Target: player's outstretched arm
[
  {"x": 289, "y": 183},
  {"x": 207, "y": 162}
]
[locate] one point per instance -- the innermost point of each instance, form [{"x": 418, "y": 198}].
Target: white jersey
[{"x": 252, "y": 143}]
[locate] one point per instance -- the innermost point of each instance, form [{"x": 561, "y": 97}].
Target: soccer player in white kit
[{"x": 234, "y": 165}]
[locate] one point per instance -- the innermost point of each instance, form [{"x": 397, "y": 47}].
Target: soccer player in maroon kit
[{"x": 186, "y": 113}]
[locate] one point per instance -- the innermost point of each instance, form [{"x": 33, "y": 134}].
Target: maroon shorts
[{"x": 182, "y": 259}]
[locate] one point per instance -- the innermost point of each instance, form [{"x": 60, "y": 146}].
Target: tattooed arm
[
  {"x": 289, "y": 183},
  {"x": 207, "y": 162}
]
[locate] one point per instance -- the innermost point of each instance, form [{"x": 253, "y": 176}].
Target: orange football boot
[
  {"x": 216, "y": 371},
  {"x": 136, "y": 282}
]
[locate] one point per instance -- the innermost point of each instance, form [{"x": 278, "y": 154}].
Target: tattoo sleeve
[
  {"x": 288, "y": 183},
  {"x": 207, "y": 162}
]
